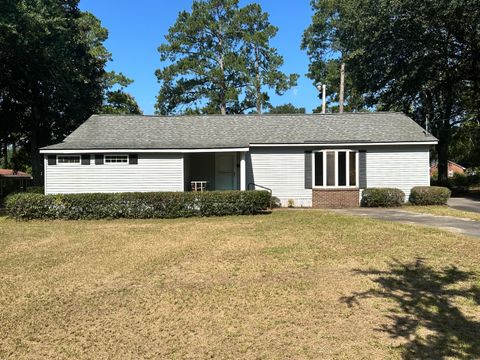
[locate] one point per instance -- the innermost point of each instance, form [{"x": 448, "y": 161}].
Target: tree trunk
[
  {"x": 442, "y": 151},
  {"x": 342, "y": 88},
  {"x": 223, "y": 106},
  {"x": 34, "y": 149},
  {"x": 223, "y": 85},
  {"x": 14, "y": 159},
  {"x": 445, "y": 137},
  {"x": 5, "y": 154},
  {"x": 258, "y": 85}
]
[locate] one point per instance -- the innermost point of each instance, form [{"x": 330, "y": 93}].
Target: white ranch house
[{"x": 319, "y": 160}]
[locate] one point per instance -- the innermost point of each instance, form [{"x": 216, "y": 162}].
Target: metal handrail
[{"x": 260, "y": 186}]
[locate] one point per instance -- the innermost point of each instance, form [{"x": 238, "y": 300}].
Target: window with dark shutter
[
  {"x": 362, "y": 168},
  {"x": 52, "y": 159},
  {"x": 98, "y": 159},
  {"x": 308, "y": 169},
  {"x": 133, "y": 159},
  {"x": 86, "y": 159},
  {"x": 318, "y": 168}
]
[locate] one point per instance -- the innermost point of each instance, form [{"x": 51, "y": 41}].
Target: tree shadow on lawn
[{"x": 425, "y": 315}]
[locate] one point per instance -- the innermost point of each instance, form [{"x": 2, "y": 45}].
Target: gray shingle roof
[{"x": 215, "y": 131}]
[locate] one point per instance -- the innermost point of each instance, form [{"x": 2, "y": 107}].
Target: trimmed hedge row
[
  {"x": 429, "y": 195},
  {"x": 382, "y": 197},
  {"x": 26, "y": 206}
]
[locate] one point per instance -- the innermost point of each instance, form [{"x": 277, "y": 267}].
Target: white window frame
[
  {"x": 347, "y": 165},
  {"x": 69, "y": 163},
  {"x": 116, "y": 163}
]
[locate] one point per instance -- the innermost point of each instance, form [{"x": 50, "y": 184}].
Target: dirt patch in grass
[
  {"x": 443, "y": 211},
  {"x": 302, "y": 284}
]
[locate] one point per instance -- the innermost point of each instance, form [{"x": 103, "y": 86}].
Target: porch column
[{"x": 243, "y": 177}]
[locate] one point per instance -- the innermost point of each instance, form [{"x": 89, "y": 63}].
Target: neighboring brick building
[
  {"x": 453, "y": 168},
  {"x": 11, "y": 180}
]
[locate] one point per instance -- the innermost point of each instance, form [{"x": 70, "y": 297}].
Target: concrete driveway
[
  {"x": 466, "y": 204},
  {"x": 463, "y": 226}
]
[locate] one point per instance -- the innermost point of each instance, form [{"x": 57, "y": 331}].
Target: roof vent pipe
[{"x": 323, "y": 89}]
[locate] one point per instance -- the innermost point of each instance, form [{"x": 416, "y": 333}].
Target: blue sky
[{"x": 137, "y": 28}]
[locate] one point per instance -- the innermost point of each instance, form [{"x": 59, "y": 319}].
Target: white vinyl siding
[
  {"x": 399, "y": 167},
  {"x": 154, "y": 172},
  {"x": 282, "y": 170}
]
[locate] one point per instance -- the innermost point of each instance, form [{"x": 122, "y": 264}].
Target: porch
[{"x": 214, "y": 171}]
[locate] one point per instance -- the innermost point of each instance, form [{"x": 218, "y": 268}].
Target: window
[
  {"x": 116, "y": 159},
  {"x": 68, "y": 159},
  {"x": 335, "y": 168}
]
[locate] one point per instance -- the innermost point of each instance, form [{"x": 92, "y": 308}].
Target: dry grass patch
[
  {"x": 303, "y": 284},
  {"x": 444, "y": 211}
]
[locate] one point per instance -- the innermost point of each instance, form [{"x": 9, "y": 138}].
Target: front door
[{"x": 225, "y": 171}]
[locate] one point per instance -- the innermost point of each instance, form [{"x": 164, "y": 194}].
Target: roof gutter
[
  {"x": 430, "y": 142},
  {"x": 123, "y": 151}
]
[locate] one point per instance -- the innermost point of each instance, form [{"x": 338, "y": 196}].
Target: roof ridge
[{"x": 251, "y": 115}]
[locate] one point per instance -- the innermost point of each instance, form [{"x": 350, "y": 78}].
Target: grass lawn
[
  {"x": 293, "y": 284},
  {"x": 443, "y": 211}
]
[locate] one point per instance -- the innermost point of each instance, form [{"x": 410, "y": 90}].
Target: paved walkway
[
  {"x": 465, "y": 204},
  {"x": 464, "y": 226}
]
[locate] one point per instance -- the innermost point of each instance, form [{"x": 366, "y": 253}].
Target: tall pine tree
[
  {"x": 219, "y": 60},
  {"x": 263, "y": 61}
]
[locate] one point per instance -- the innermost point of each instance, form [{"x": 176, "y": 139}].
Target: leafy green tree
[
  {"x": 286, "y": 109},
  {"x": 418, "y": 57},
  {"x": 119, "y": 102},
  {"x": 206, "y": 67},
  {"x": 465, "y": 147},
  {"x": 330, "y": 76},
  {"x": 116, "y": 100},
  {"x": 47, "y": 72},
  {"x": 218, "y": 60},
  {"x": 323, "y": 47},
  {"x": 52, "y": 75},
  {"x": 263, "y": 61}
]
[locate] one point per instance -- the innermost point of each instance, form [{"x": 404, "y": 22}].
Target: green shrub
[
  {"x": 474, "y": 179},
  {"x": 136, "y": 205},
  {"x": 429, "y": 195},
  {"x": 35, "y": 189},
  {"x": 382, "y": 197},
  {"x": 458, "y": 181},
  {"x": 275, "y": 202}
]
